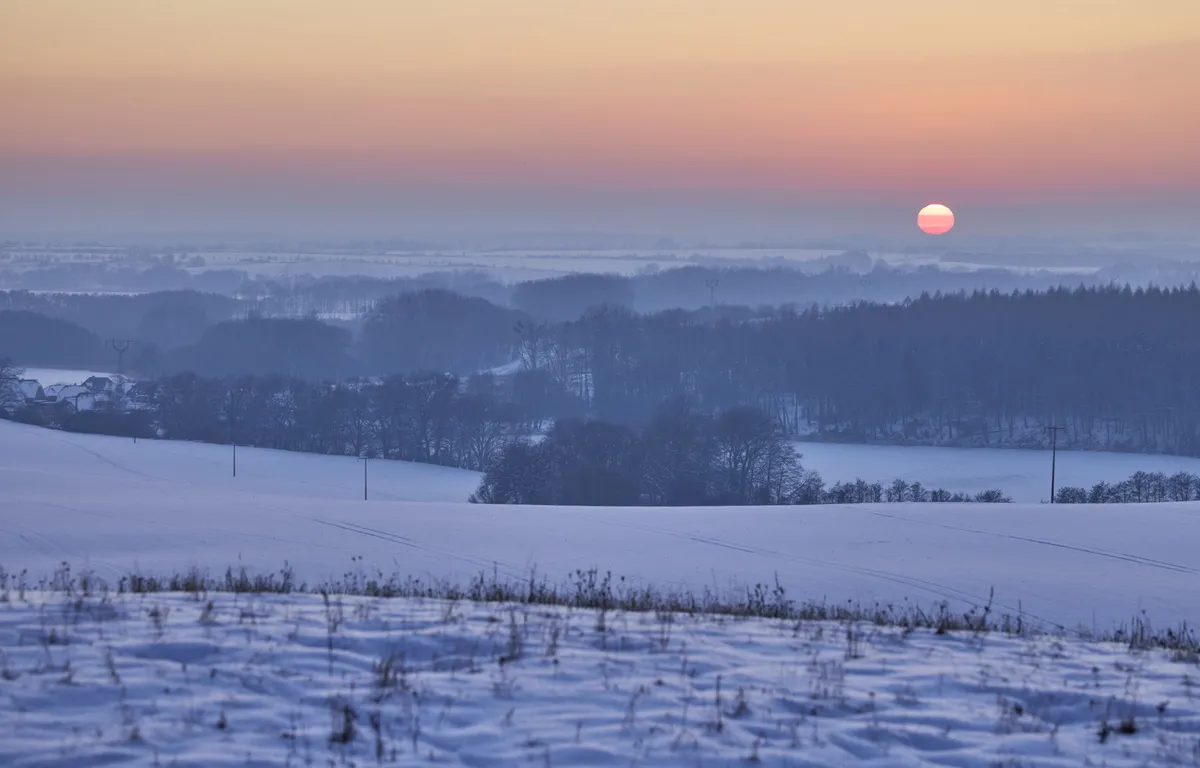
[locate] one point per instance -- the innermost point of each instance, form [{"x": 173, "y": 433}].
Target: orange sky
[{"x": 1004, "y": 99}]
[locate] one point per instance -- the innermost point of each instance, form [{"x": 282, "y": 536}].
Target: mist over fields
[{"x": 970, "y": 347}]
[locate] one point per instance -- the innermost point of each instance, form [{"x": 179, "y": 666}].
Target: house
[
  {"x": 89, "y": 401},
  {"x": 27, "y": 395},
  {"x": 31, "y": 390},
  {"x": 97, "y": 384},
  {"x": 68, "y": 392}
]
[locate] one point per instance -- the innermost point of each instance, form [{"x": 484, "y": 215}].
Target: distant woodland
[
  {"x": 683, "y": 456},
  {"x": 836, "y": 279},
  {"x": 1113, "y": 366}
]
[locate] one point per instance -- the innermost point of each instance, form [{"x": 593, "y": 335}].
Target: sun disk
[{"x": 935, "y": 219}]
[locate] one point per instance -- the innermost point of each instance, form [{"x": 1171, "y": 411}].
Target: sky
[{"x": 740, "y": 118}]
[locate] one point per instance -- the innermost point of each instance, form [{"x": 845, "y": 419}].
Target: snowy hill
[
  {"x": 113, "y": 506},
  {"x": 200, "y": 467},
  {"x": 287, "y": 680}
]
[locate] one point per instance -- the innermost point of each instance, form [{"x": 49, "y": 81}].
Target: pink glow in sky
[{"x": 232, "y": 107}]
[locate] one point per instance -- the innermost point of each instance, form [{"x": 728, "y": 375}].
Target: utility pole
[
  {"x": 1053, "y": 456},
  {"x": 365, "y": 459},
  {"x": 712, "y": 284},
  {"x": 233, "y": 442},
  {"x": 121, "y": 346}
]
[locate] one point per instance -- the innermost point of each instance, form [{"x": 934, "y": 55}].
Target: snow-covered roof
[
  {"x": 29, "y": 388},
  {"x": 508, "y": 369},
  {"x": 70, "y": 391},
  {"x": 98, "y": 383}
]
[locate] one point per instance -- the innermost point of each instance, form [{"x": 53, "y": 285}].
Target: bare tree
[
  {"x": 11, "y": 397},
  {"x": 748, "y": 442},
  {"x": 531, "y": 335}
]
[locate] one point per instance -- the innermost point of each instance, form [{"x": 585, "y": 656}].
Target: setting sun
[{"x": 935, "y": 219}]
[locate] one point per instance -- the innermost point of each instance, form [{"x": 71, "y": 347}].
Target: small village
[{"x": 64, "y": 398}]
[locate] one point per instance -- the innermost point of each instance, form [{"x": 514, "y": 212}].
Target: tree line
[
  {"x": 681, "y": 458},
  {"x": 1117, "y": 368},
  {"x": 432, "y": 329},
  {"x": 165, "y": 318},
  {"x": 429, "y": 417},
  {"x": 1138, "y": 488}
]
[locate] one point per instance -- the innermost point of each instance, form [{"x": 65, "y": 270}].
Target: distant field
[
  {"x": 113, "y": 505},
  {"x": 1023, "y": 474},
  {"x": 48, "y": 376}
]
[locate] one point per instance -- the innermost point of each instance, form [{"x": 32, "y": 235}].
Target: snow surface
[
  {"x": 252, "y": 681},
  {"x": 50, "y": 376},
  {"x": 1022, "y": 474},
  {"x": 508, "y": 369},
  {"x": 113, "y": 505},
  {"x": 194, "y": 467}
]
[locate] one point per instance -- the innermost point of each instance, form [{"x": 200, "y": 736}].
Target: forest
[
  {"x": 1115, "y": 368},
  {"x": 1111, "y": 368}
]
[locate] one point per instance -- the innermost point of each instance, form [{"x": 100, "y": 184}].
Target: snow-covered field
[
  {"x": 192, "y": 469},
  {"x": 265, "y": 680},
  {"x": 48, "y": 376},
  {"x": 113, "y": 505},
  {"x": 1022, "y": 474},
  {"x": 216, "y": 680}
]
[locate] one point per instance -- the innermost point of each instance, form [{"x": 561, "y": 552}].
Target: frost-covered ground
[
  {"x": 213, "y": 680},
  {"x": 1022, "y": 474},
  {"x": 113, "y": 506}
]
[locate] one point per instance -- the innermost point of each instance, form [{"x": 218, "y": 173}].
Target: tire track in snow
[
  {"x": 363, "y": 530},
  {"x": 34, "y": 542},
  {"x": 323, "y": 486},
  {"x": 943, "y": 591},
  {"x": 163, "y": 541},
  {"x": 1136, "y": 559},
  {"x": 109, "y": 461},
  {"x": 32, "y": 538}
]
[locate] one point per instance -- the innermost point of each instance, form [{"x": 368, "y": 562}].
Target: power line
[
  {"x": 121, "y": 346},
  {"x": 1053, "y": 455}
]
